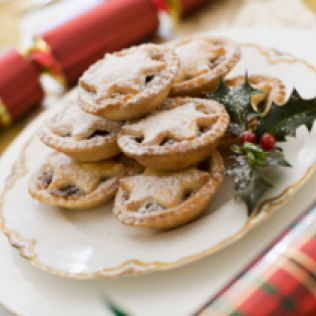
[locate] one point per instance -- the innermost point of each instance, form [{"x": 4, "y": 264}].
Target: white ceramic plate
[{"x": 94, "y": 244}]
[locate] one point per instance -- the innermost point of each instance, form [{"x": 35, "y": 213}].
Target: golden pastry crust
[
  {"x": 273, "y": 91},
  {"x": 61, "y": 181},
  {"x": 228, "y": 140},
  {"x": 130, "y": 83},
  {"x": 166, "y": 200},
  {"x": 180, "y": 133},
  {"x": 80, "y": 135},
  {"x": 202, "y": 60}
]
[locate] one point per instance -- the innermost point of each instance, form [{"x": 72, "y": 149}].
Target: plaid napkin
[{"x": 280, "y": 282}]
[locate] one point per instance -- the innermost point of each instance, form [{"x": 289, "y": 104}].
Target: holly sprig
[
  {"x": 250, "y": 171},
  {"x": 252, "y": 160},
  {"x": 237, "y": 101}
]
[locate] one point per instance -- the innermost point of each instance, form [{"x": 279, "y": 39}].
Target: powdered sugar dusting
[
  {"x": 121, "y": 73},
  {"x": 178, "y": 119},
  {"x": 150, "y": 206},
  {"x": 196, "y": 57},
  {"x": 85, "y": 176},
  {"x": 79, "y": 124},
  {"x": 179, "y": 123},
  {"x": 166, "y": 188}
]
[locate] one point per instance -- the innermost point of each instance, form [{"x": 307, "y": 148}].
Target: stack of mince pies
[{"x": 142, "y": 132}]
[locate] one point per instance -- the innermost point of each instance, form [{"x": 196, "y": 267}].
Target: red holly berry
[
  {"x": 267, "y": 141},
  {"x": 248, "y": 137}
]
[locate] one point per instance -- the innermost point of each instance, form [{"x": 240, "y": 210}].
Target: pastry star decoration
[
  {"x": 166, "y": 188},
  {"x": 196, "y": 57},
  {"x": 86, "y": 176},
  {"x": 116, "y": 74},
  {"x": 180, "y": 123},
  {"x": 80, "y": 125}
]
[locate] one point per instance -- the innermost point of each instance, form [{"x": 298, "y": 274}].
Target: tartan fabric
[{"x": 280, "y": 282}]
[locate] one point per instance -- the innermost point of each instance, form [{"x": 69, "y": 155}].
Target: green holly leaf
[
  {"x": 251, "y": 163},
  {"x": 252, "y": 190},
  {"x": 275, "y": 158},
  {"x": 250, "y": 184},
  {"x": 283, "y": 120},
  {"x": 237, "y": 101}
]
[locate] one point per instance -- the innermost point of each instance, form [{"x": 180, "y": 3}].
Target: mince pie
[
  {"x": 202, "y": 60},
  {"x": 273, "y": 90},
  {"x": 62, "y": 181},
  {"x": 80, "y": 135},
  {"x": 130, "y": 83},
  {"x": 161, "y": 199},
  {"x": 180, "y": 133}
]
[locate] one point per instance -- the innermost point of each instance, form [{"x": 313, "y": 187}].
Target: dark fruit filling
[
  {"x": 189, "y": 194},
  {"x": 168, "y": 142},
  {"x": 45, "y": 179},
  {"x": 138, "y": 139},
  {"x": 204, "y": 129},
  {"x": 150, "y": 206},
  {"x": 149, "y": 78},
  {"x": 261, "y": 106},
  {"x": 68, "y": 191},
  {"x": 98, "y": 133}
]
